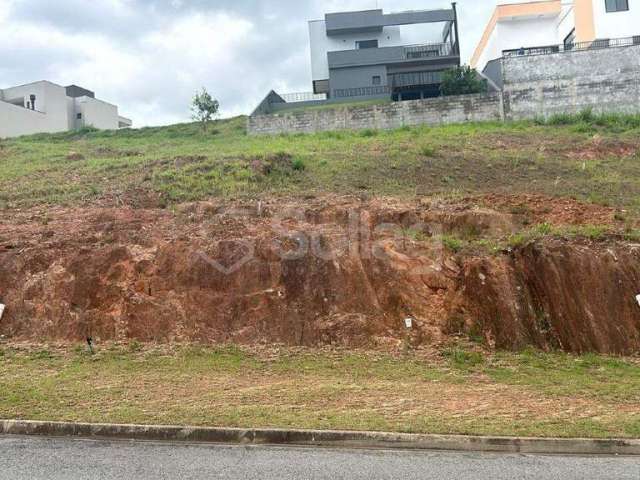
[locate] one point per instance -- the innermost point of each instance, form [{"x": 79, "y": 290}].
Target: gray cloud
[{"x": 149, "y": 56}]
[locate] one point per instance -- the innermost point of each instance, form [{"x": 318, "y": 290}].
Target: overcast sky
[{"x": 149, "y": 56}]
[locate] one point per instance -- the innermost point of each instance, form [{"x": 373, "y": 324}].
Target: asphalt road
[{"x": 62, "y": 459}]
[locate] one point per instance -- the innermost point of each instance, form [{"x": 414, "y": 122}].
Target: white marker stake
[
  {"x": 408, "y": 322},
  {"x": 2, "y": 307},
  {"x": 637, "y": 299}
]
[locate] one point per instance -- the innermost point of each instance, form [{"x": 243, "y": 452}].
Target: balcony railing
[
  {"x": 302, "y": 97},
  {"x": 396, "y": 81},
  {"x": 390, "y": 55},
  {"x": 428, "y": 51},
  {"x": 573, "y": 47},
  {"x": 362, "y": 91},
  {"x": 413, "y": 79}
]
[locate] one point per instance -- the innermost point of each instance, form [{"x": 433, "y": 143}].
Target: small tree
[
  {"x": 204, "y": 108},
  {"x": 461, "y": 81}
]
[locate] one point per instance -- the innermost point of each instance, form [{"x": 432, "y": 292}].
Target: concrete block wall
[
  {"x": 606, "y": 81},
  {"x": 434, "y": 111}
]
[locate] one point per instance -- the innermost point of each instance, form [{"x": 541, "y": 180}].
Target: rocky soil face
[{"x": 334, "y": 270}]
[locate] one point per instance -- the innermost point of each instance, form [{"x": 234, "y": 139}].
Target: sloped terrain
[
  {"x": 509, "y": 234},
  {"x": 333, "y": 270}
]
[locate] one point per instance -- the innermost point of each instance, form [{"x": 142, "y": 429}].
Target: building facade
[
  {"x": 44, "y": 107},
  {"x": 370, "y": 54},
  {"x": 550, "y": 26}
]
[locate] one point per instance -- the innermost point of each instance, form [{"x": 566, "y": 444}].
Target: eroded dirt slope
[{"x": 334, "y": 270}]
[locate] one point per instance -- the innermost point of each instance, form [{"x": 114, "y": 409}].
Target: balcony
[
  {"x": 375, "y": 20},
  {"x": 436, "y": 52}
]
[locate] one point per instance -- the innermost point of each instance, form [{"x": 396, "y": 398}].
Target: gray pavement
[{"x": 36, "y": 458}]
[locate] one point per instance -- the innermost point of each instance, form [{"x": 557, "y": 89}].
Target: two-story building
[
  {"x": 371, "y": 53},
  {"x": 375, "y": 55},
  {"x": 44, "y": 107},
  {"x": 548, "y": 26}
]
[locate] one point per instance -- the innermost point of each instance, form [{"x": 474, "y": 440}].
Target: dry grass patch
[{"x": 530, "y": 393}]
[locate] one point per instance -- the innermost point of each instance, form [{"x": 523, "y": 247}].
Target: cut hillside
[{"x": 507, "y": 234}]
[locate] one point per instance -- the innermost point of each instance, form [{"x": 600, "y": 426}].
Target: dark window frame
[
  {"x": 79, "y": 116},
  {"x": 376, "y": 80},
  {"x": 364, "y": 44},
  {"x": 614, "y": 6}
]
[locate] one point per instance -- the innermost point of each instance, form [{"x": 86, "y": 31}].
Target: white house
[
  {"x": 44, "y": 107},
  {"x": 556, "y": 24}
]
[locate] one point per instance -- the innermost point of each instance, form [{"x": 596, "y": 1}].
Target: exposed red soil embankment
[
  {"x": 575, "y": 296},
  {"x": 331, "y": 271}
]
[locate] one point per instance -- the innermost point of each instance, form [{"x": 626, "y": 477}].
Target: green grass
[
  {"x": 182, "y": 163},
  {"x": 456, "y": 391},
  {"x": 493, "y": 245},
  {"x": 336, "y": 105},
  {"x": 587, "y": 121}
]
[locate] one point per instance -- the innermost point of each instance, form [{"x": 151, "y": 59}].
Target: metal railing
[
  {"x": 302, "y": 97},
  {"x": 428, "y": 50},
  {"x": 389, "y": 55},
  {"x": 361, "y": 91},
  {"x": 573, "y": 47},
  {"x": 411, "y": 79}
]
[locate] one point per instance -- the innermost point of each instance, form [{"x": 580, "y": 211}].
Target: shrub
[
  {"x": 462, "y": 359},
  {"x": 561, "y": 119},
  {"x": 428, "y": 151},
  {"x": 586, "y": 115},
  {"x": 461, "y": 81},
  {"x": 452, "y": 243},
  {"x": 585, "y": 120},
  {"x": 369, "y": 132},
  {"x": 298, "y": 164},
  {"x": 543, "y": 228}
]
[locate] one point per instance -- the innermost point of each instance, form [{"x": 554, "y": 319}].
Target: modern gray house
[{"x": 371, "y": 54}]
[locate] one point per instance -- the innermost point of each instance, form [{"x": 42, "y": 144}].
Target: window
[
  {"x": 366, "y": 44},
  {"x": 377, "y": 80},
  {"x": 617, "y": 5},
  {"x": 79, "y": 116}
]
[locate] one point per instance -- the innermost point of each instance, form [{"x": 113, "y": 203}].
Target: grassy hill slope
[{"x": 590, "y": 158}]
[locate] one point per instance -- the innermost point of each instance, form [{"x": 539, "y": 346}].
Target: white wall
[
  {"x": 55, "y": 112},
  {"x": 491, "y": 51},
  {"x": 96, "y": 113},
  {"x": 51, "y": 115},
  {"x": 50, "y": 98},
  {"x": 535, "y": 32},
  {"x": 394, "y": 36},
  {"x": 16, "y": 121},
  {"x": 72, "y": 123},
  {"x": 566, "y": 21},
  {"x": 321, "y": 44},
  {"x": 616, "y": 24},
  {"x": 513, "y": 34}
]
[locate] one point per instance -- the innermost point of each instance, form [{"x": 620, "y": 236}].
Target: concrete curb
[{"x": 324, "y": 438}]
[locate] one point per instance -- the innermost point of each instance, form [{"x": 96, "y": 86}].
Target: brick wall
[{"x": 434, "y": 111}]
